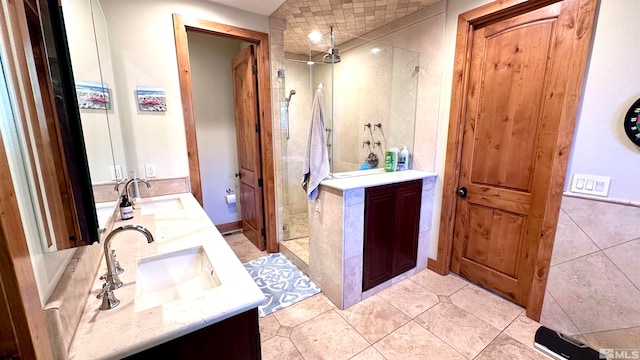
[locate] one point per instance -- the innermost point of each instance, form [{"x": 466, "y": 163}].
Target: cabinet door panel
[
  {"x": 408, "y": 200},
  {"x": 378, "y": 234}
]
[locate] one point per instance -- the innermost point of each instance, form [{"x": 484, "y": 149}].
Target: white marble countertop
[
  {"x": 123, "y": 331},
  {"x": 375, "y": 179}
]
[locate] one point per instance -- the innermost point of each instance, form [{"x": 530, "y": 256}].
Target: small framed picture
[
  {"x": 151, "y": 99},
  {"x": 93, "y": 95}
]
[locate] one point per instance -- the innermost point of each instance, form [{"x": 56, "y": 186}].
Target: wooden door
[
  {"x": 247, "y": 130},
  {"x": 517, "y": 110}
]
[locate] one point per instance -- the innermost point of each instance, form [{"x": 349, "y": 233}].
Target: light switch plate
[{"x": 590, "y": 184}]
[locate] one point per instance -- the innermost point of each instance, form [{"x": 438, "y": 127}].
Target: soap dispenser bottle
[
  {"x": 403, "y": 159},
  {"x": 391, "y": 160},
  {"x": 126, "y": 208}
]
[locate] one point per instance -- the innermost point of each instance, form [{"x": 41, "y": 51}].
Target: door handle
[
  {"x": 238, "y": 175},
  {"x": 462, "y": 192}
]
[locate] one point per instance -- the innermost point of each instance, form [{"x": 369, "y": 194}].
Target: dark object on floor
[{"x": 561, "y": 347}]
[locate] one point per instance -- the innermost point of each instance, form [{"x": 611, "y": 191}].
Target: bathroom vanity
[
  {"x": 163, "y": 313},
  {"x": 391, "y": 220},
  {"x": 369, "y": 232}
]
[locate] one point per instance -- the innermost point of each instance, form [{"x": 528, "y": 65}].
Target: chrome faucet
[
  {"x": 112, "y": 281},
  {"x": 125, "y": 189},
  {"x": 134, "y": 181}
]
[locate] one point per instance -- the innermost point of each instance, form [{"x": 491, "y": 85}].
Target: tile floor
[
  {"x": 593, "y": 291},
  {"x": 426, "y": 316}
]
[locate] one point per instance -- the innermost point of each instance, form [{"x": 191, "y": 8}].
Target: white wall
[
  {"x": 601, "y": 146},
  {"x": 144, "y": 54},
  {"x": 210, "y": 57},
  {"x": 454, "y": 8}
]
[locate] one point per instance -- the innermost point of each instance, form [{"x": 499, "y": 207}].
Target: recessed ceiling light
[
  {"x": 315, "y": 36},
  {"x": 310, "y": 63},
  {"x": 375, "y": 50}
]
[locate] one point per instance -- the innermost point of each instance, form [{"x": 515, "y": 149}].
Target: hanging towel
[{"x": 316, "y": 161}]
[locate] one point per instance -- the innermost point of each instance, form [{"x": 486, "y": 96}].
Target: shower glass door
[{"x": 296, "y": 119}]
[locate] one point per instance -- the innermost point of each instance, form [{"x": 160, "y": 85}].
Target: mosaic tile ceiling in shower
[{"x": 349, "y": 18}]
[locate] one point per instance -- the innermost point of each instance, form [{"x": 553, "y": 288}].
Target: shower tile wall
[
  {"x": 365, "y": 100},
  {"x": 369, "y": 84},
  {"x": 426, "y": 38},
  {"x": 382, "y": 89}
]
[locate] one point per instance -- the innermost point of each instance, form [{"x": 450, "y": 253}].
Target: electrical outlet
[
  {"x": 116, "y": 172},
  {"x": 150, "y": 170},
  {"x": 590, "y": 184}
]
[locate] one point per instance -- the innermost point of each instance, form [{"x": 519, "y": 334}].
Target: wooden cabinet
[
  {"x": 235, "y": 338},
  {"x": 391, "y": 227}
]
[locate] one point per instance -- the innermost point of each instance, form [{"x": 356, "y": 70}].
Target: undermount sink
[
  {"x": 104, "y": 211},
  {"x": 158, "y": 206},
  {"x": 177, "y": 275}
]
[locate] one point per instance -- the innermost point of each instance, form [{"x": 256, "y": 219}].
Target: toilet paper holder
[{"x": 230, "y": 198}]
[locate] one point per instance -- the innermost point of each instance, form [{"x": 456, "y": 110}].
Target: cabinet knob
[{"x": 462, "y": 192}]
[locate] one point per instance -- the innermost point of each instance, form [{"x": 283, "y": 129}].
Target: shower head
[
  {"x": 331, "y": 57},
  {"x": 288, "y": 98},
  {"x": 291, "y": 93}
]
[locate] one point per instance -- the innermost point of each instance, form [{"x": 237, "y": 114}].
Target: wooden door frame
[
  {"x": 183, "y": 23},
  {"x": 26, "y": 324},
  {"x": 581, "y": 47}
]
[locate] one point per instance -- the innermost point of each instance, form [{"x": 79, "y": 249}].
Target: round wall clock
[{"x": 631, "y": 123}]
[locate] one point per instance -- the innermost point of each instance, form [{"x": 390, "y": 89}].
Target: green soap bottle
[{"x": 391, "y": 160}]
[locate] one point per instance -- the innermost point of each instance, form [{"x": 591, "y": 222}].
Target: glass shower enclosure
[{"x": 370, "y": 104}]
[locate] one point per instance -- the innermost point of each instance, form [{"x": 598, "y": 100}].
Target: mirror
[
  {"x": 88, "y": 45},
  {"x": 93, "y": 73}
]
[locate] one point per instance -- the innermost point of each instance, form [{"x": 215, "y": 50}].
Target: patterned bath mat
[{"x": 280, "y": 281}]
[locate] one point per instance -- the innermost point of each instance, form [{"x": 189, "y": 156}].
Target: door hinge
[
  {"x": 257, "y": 127},
  {"x": 254, "y": 69},
  {"x": 260, "y": 182}
]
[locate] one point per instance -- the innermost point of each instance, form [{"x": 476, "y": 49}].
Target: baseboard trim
[
  {"x": 228, "y": 227},
  {"x": 434, "y": 266}
]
